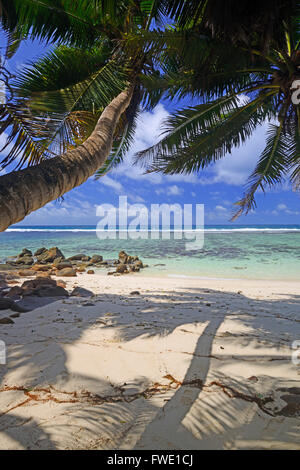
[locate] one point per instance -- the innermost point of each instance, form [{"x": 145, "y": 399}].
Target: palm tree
[
  {"x": 73, "y": 105},
  {"x": 73, "y": 111},
  {"x": 240, "y": 87}
]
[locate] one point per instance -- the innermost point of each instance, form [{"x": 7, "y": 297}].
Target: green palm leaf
[
  {"x": 272, "y": 166},
  {"x": 199, "y": 136},
  {"x": 66, "y": 91}
]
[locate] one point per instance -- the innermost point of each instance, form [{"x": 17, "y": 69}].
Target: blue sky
[{"x": 218, "y": 187}]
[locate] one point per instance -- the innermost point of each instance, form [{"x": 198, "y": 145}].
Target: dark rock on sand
[
  {"x": 81, "y": 269},
  {"x": 67, "y": 272},
  {"x": 81, "y": 292},
  {"x": 38, "y": 282},
  {"x": 123, "y": 256},
  {"x": 50, "y": 255},
  {"x": 24, "y": 260},
  {"x": 133, "y": 268},
  {"x": 43, "y": 287},
  {"x": 9, "y": 304},
  {"x": 57, "y": 261},
  {"x": 138, "y": 264},
  {"x": 8, "y": 266},
  {"x": 61, "y": 283},
  {"x": 6, "y": 321},
  {"x": 52, "y": 291},
  {"x": 97, "y": 259},
  {"x": 121, "y": 269},
  {"x": 14, "y": 293},
  {"x": 40, "y": 251},
  {"x": 41, "y": 267},
  {"x": 25, "y": 252},
  {"x": 77, "y": 257},
  {"x": 26, "y": 273},
  {"x": 64, "y": 265}
]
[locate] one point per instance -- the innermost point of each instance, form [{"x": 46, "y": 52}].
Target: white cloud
[
  {"x": 282, "y": 207},
  {"x": 234, "y": 169},
  {"x": 170, "y": 191},
  {"x": 148, "y": 130},
  {"x": 5, "y": 152},
  {"x": 174, "y": 191},
  {"x": 112, "y": 183},
  {"x": 221, "y": 209},
  {"x": 136, "y": 199}
]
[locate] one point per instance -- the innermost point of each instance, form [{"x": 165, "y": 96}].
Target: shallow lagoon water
[{"x": 239, "y": 252}]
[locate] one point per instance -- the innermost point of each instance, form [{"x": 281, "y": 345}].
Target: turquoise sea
[{"x": 231, "y": 252}]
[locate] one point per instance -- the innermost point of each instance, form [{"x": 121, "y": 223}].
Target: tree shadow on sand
[{"x": 179, "y": 412}]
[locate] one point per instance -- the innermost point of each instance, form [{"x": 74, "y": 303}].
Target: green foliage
[
  {"x": 223, "y": 74},
  {"x": 237, "y": 58},
  {"x": 59, "y": 98}
]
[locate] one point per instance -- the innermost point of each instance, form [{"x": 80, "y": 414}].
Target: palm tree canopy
[
  {"x": 239, "y": 88},
  {"x": 58, "y": 100},
  {"x": 240, "y": 62}
]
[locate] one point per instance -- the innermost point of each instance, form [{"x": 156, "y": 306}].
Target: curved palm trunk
[{"x": 24, "y": 191}]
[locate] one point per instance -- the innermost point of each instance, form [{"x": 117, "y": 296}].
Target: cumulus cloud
[
  {"x": 283, "y": 209},
  {"x": 233, "y": 169},
  {"x": 112, "y": 183},
  {"x": 170, "y": 191},
  {"x": 221, "y": 209}
]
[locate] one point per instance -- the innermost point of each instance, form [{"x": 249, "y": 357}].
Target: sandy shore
[{"x": 187, "y": 364}]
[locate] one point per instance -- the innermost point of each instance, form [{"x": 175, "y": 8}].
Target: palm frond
[
  {"x": 272, "y": 166},
  {"x": 8, "y": 15},
  {"x": 67, "y": 90},
  {"x": 233, "y": 21},
  {"x": 69, "y": 79},
  {"x": 198, "y": 136},
  {"x": 25, "y": 136},
  {"x": 14, "y": 39},
  {"x": 65, "y": 93},
  {"x": 194, "y": 64}
]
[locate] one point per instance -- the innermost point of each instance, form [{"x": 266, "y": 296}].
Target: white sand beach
[{"x": 187, "y": 364}]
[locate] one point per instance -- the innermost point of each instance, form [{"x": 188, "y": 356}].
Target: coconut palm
[
  {"x": 239, "y": 87},
  {"x": 74, "y": 105},
  {"x": 74, "y": 110}
]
